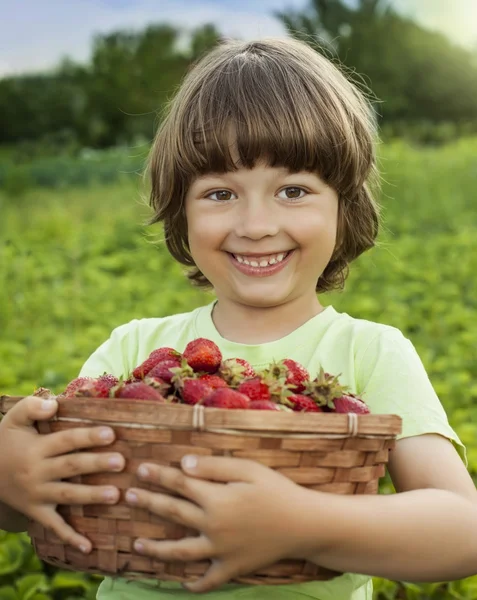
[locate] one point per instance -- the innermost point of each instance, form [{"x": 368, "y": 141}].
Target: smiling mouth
[{"x": 264, "y": 260}]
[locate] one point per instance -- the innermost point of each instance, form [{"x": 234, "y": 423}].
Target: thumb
[{"x": 31, "y": 409}]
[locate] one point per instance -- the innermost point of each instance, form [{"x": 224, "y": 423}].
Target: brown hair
[{"x": 288, "y": 105}]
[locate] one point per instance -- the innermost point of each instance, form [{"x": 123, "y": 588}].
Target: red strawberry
[
  {"x": 255, "y": 388},
  {"x": 74, "y": 385},
  {"x": 297, "y": 375},
  {"x": 144, "y": 368},
  {"x": 110, "y": 380},
  {"x": 165, "y": 354},
  {"x": 155, "y": 357},
  {"x": 158, "y": 384},
  {"x": 302, "y": 403},
  {"x": 324, "y": 388},
  {"x": 235, "y": 370},
  {"x": 94, "y": 389},
  {"x": 214, "y": 381},
  {"x": 203, "y": 355},
  {"x": 139, "y": 391},
  {"x": 163, "y": 369},
  {"x": 349, "y": 404},
  {"x": 264, "y": 405},
  {"x": 194, "y": 391},
  {"x": 227, "y": 398}
]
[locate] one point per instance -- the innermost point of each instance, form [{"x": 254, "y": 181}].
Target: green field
[{"x": 77, "y": 262}]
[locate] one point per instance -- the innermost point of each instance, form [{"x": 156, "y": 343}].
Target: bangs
[{"x": 250, "y": 111}]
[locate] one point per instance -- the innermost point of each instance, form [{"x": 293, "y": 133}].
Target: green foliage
[
  {"x": 76, "y": 264},
  {"x": 62, "y": 171},
  {"x": 24, "y": 577}
]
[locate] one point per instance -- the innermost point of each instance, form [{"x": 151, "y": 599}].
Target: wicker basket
[{"x": 339, "y": 453}]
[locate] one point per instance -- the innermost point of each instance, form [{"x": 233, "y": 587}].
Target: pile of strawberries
[{"x": 200, "y": 375}]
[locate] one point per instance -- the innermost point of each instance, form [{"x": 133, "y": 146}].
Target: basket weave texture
[{"x": 338, "y": 453}]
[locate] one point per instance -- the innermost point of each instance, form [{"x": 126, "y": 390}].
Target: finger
[
  {"x": 79, "y": 438},
  {"x": 175, "y": 480},
  {"x": 184, "y": 550},
  {"x": 170, "y": 508},
  {"x": 51, "y": 519},
  {"x": 218, "y": 574},
  {"x": 82, "y": 463},
  {"x": 220, "y": 468},
  {"x": 30, "y": 409},
  {"x": 75, "y": 493}
]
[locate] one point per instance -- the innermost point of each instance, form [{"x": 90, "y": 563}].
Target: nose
[{"x": 256, "y": 219}]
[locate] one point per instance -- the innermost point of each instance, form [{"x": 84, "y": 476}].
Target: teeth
[{"x": 264, "y": 262}]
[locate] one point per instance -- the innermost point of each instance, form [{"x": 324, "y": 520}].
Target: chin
[{"x": 262, "y": 300}]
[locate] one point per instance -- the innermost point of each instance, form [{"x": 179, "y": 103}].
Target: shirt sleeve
[
  {"x": 391, "y": 379},
  {"x": 116, "y": 356}
]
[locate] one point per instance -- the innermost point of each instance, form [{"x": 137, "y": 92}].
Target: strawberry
[
  {"x": 195, "y": 391},
  {"x": 158, "y": 384},
  {"x": 155, "y": 357},
  {"x": 74, "y": 385},
  {"x": 324, "y": 388},
  {"x": 290, "y": 373},
  {"x": 203, "y": 355},
  {"x": 144, "y": 368},
  {"x": 235, "y": 370},
  {"x": 297, "y": 375},
  {"x": 301, "y": 403},
  {"x": 110, "y": 380},
  {"x": 348, "y": 403},
  {"x": 264, "y": 405},
  {"x": 164, "y": 354},
  {"x": 227, "y": 398},
  {"x": 255, "y": 388},
  {"x": 214, "y": 381},
  {"x": 94, "y": 389},
  {"x": 163, "y": 369},
  {"x": 139, "y": 391}
]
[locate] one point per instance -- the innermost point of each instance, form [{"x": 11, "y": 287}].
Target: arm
[
  {"x": 12, "y": 520},
  {"x": 422, "y": 533}
]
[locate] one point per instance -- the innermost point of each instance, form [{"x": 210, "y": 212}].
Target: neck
[{"x": 258, "y": 325}]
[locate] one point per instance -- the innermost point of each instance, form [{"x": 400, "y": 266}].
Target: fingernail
[
  {"x": 48, "y": 404},
  {"x": 106, "y": 434},
  {"x": 83, "y": 548},
  {"x": 143, "y": 471},
  {"x": 138, "y": 546},
  {"x": 131, "y": 497},
  {"x": 109, "y": 494},
  {"x": 115, "y": 462},
  {"x": 189, "y": 461}
]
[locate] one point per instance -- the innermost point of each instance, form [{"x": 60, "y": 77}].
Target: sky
[{"x": 37, "y": 34}]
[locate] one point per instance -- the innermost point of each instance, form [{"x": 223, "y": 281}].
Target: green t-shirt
[{"x": 376, "y": 361}]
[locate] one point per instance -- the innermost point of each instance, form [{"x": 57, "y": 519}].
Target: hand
[
  {"x": 246, "y": 516},
  {"x": 30, "y": 478}
]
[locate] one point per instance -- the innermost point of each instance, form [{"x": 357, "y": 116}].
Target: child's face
[{"x": 283, "y": 224}]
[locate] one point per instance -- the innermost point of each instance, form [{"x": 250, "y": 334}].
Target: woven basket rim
[{"x": 150, "y": 414}]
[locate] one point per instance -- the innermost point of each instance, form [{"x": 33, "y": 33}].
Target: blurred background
[{"x": 82, "y": 85}]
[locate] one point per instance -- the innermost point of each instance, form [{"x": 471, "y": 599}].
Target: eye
[
  {"x": 222, "y": 195},
  {"x": 293, "y": 193}
]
